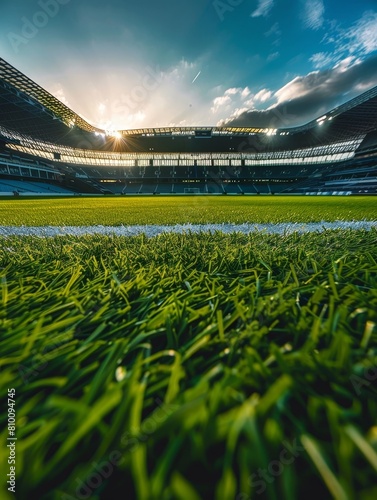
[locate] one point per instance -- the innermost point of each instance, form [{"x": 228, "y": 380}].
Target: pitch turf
[
  {"x": 192, "y": 366},
  {"x": 114, "y": 211}
]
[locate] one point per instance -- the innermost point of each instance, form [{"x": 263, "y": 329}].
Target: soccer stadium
[
  {"x": 163, "y": 341},
  {"x": 46, "y": 148}
]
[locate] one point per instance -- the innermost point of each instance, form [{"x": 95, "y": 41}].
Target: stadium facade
[{"x": 45, "y": 147}]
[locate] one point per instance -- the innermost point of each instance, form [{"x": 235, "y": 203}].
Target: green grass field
[
  {"x": 190, "y": 366},
  {"x": 115, "y": 211}
]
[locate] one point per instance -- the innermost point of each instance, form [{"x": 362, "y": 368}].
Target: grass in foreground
[
  {"x": 116, "y": 211},
  {"x": 192, "y": 366}
]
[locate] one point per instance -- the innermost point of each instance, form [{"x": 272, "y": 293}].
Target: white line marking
[{"x": 155, "y": 230}]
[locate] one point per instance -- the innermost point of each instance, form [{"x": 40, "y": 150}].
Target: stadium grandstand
[{"x": 46, "y": 148}]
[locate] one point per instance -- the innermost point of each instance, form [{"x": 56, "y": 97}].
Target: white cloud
[
  {"x": 236, "y": 101},
  {"x": 237, "y": 112},
  {"x": 351, "y": 43},
  {"x": 298, "y": 87},
  {"x": 275, "y": 34},
  {"x": 313, "y": 15},
  {"x": 220, "y": 102},
  {"x": 327, "y": 83},
  {"x": 264, "y": 7},
  {"x": 245, "y": 92},
  {"x": 346, "y": 63},
  {"x": 274, "y": 30},
  {"x": 263, "y": 95},
  {"x": 232, "y": 98},
  {"x": 361, "y": 38},
  {"x": 233, "y": 91},
  {"x": 308, "y": 96},
  {"x": 322, "y": 59},
  {"x": 250, "y": 103},
  {"x": 318, "y": 81},
  {"x": 273, "y": 56}
]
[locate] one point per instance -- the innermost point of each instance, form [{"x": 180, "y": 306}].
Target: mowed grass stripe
[
  {"x": 116, "y": 211},
  {"x": 197, "y": 360}
]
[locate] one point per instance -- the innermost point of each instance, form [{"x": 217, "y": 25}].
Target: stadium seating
[
  {"x": 40, "y": 145},
  {"x": 12, "y": 186}
]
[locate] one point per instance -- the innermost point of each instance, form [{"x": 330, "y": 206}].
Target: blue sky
[{"x": 173, "y": 62}]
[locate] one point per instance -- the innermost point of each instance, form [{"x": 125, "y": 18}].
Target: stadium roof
[{"x": 29, "y": 110}]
